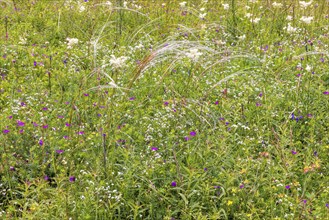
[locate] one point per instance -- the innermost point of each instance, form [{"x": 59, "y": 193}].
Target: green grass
[{"x": 155, "y": 113}]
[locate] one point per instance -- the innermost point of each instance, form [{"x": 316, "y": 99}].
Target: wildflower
[
  {"x": 304, "y": 4},
  {"x": 226, "y": 6},
  {"x": 72, "y": 179},
  {"x": 241, "y": 186},
  {"x": 117, "y": 62},
  {"x": 326, "y": 92},
  {"x": 194, "y": 54},
  {"x": 242, "y": 37},
  {"x": 6, "y": 131},
  {"x": 132, "y": 98},
  {"x": 192, "y": 133},
  {"x": 304, "y": 201},
  {"x": 173, "y": 184},
  {"x": 290, "y": 29},
  {"x": 288, "y": 187},
  {"x": 67, "y": 124},
  {"x": 71, "y": 42},
  {"x": 182, "y": 4},
  {"x": 41, "y": 142},
  {"x": 255, "y": 20},
  {"x": 86, "y": 94},
  {"x": 45, "y": 126},
  {"x": 248, "y": 15},
  {"x": 229, "y": 202},
  {"x": 20, "y": 124},
  {"x": 59, "y": 151},
  {"x": 277, "y": 5},
  {"x": 202, "y": 16},
  {"x": 308, "y": 68},
  {"x": 154, "y": 148},
  {"x": 46, "y": 178},
  {"x": 289, "y": 18},
  {"x": 306, "y": 20},
  {"x": 294, "y": 152},
  {"x": 12, "y": 168}
]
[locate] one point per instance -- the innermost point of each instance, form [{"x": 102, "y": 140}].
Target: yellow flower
[{"x": 229, "y": 202}]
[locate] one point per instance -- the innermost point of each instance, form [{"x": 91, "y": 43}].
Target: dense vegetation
[{"x": 204, "y": 109}]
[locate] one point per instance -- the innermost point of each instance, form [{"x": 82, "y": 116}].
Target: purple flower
[
  {"x": 86, "y": 94},
  {"x": 187, "y": 138},
  {"x": 217, "y": 102},
  {"x": 45, "y": 126},
  {"x": 166, "y": 103},
  {"x": 205, "y": 169},
  {"x": 81, "y": 132},
  {"x": 21, "y": 131},
  {"x": 46, "y": 178},
  {"x": 10, "y": 116},
  {"x": 304, "y": 201},
  {"x": 23, "y": 104},
  {"x": 35, "y": 124},
  {"x": 67, "y": 124},
  {"x": 6, "y": 131},
  {"x": 59, "y": 151},
  {"x": 41, "y": 142},
  {"x": 287, "y": 186},
  {"x": 327, "y": 205},
  {"x": 35, "y": 63},
  {"x": 173, "y": 184},
  {"x": 258, "y": 104},
  {"x": 154, "y": 148},
  {"x": 260, "y": 94},
  {"x": 294, "y": 152},
  {"x": 132, "y": 98},
  {"x": 20, "y": 124},
  {"x": 60, "y": 116},
  {"x": 12, "y": 168},
  {"x": 66, "y": 137},
  {"x": 241, "y": 186},
  {"x": 192, "y": 133},
  {"x": 326, "y": 92},
  {"x": 72, "y": 179},
  {"x": 45, "y": 109}
]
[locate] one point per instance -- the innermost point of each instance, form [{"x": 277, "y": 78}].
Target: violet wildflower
[
  {"x": 166, "y": 103},
  {"x": 35, "y": 124},
  {"x": 241, "y": 186},
  {"x": 41, "y": 142},
  {"x": 11, "y": 168},
  {"x": 72, "y": 179},
  {"x": 67, "y": 124},
  {"x": 10, "y": 116},
  {"x": 173, "y": 184},
  {"x": 132, "y": 98},
  {"x": 59, "y": 151},
  {"x": 45, "y": 109},
  {"x": 288, "y": 187},
  {"x": 294, "y": 152},
  {"x": 45, "y": 126},
  {"x": 327, "y": 205},
  {"x": 217, "y": 102},
  {"x": 6, "y": 131},
  {"x": 60, "y": 116},
  {"x": 154, "y": 148},
  {"x": 86, "y": 94},
  {"x": 46, "y": 178},
  {"x": 326, "y": 92},
  {"x": 66, "y": 137},
  {"x": 20, "y": 124},
  {"x": 21, "y": 131},
  {"x": 304, "y": 201},
  {"x": 81, "y": 132},
  {"x": 192, "y": 133},
  {"x": 186, "y": 138}
]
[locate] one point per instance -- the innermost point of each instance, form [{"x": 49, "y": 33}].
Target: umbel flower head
[{"x": 193, "y": 54}]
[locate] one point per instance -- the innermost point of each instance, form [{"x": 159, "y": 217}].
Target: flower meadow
[{"x": 199, "y": 109}]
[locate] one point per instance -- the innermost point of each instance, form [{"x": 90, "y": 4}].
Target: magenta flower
[
  {"x": 6, "y": 131},
  {"x": 326, "y": 92},
  {"x": 20, "y": 124},
  {"x": 192, "y": 133},
  {"x": 86, "y": 94},
  {"x": 45, "y": 126},
  {"x": 46, "y": 178},
  {"x": 35, "y": 124},
  {"x": 154, "y": 148},
  {"x": 67, "y": 124},
  {"x": 217, "y": 102},
  {"x": 59, "y": 151},
  {"x": 294, "y": 152},
  {"x": 287, "y": 186},
  {"x": 173, "y": 184},
  {"x": 241, "y": 186},
  {"x": 187, "y": 138},
  {"x": 41, "y": 142}
]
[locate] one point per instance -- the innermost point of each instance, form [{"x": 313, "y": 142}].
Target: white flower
[
  {"x": 242, "y": 37},
  {"x": 289, "y": 18},
  {"x": 182, "y": 4},
  {"x": 108, "y": 3},
  {"x": 22, "y": 40},
  {"x": 255, "y": 20},
  {"x": 248, "y": 15},
  {"x": 252, "y": 1},
  {"x": 226, "y": 6},
  {"x": 202, "y": 15},
  {"x": 291, "y": 29},
  {"x": 306, "y": 20},
  {"x": 247, "y": 7},
  {"x": 117, "y": 62},
  {"x": 277, "y": 5},
  {"x": 71, "y": 42},
  {"x": 194, "y": 54},
  {"x": 304, "y": 4},
  {"x": 308, "y": 68},
  {"x": 82, "y": 8},
  {"x": 202, "y": 9}
]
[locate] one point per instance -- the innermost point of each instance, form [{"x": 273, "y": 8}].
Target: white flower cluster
[
  {"x": 71, "y": 42},
  {"x": 194, "y": 54},
  {"x": 118, "y": 62}
]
